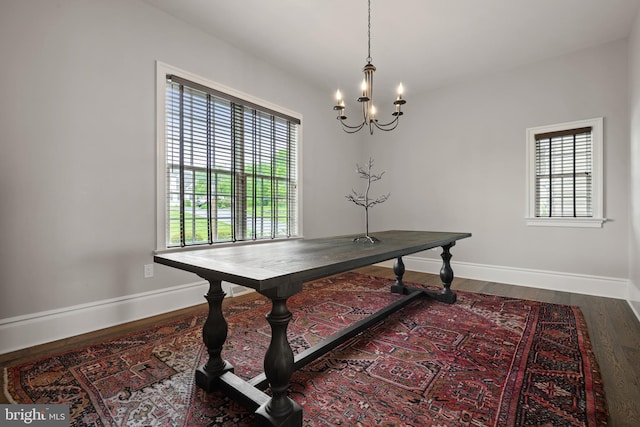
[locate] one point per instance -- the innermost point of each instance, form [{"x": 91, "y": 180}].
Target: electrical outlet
[{"x": 148, "y": 271}]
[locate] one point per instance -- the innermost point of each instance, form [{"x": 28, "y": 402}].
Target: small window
[
  {"x": 565, "y": 174},
  {"x": 228, "y": 165}
]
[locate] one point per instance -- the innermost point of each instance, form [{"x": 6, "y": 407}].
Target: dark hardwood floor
[{"x": 613, "y": 328}]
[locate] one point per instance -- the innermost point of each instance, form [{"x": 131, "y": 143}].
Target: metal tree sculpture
[{"x": 364, "y": 200}]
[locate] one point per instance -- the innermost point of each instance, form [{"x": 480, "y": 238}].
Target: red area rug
[{"x": 484, "y": 361}]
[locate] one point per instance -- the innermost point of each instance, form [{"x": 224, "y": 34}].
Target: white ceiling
[{"x": 423, "y": 43}]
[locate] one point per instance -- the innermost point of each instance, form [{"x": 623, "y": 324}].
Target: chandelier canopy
[{"x": 368, "y": 109}]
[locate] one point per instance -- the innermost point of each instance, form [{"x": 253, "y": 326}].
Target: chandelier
[{"x": 368, "y": 109}]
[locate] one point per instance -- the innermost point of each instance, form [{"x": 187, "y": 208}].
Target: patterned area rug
[{"x": 484, "y": 361}]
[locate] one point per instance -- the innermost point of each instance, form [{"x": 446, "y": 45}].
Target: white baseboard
[
  {"x": 633, "y": 298},
  {"x": 38, "y": 328},
  {"x": 610, "y": 287}
]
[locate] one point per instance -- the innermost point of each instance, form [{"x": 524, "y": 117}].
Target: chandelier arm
[
  {"x": 381, "y": 125},
  {"x": 385, "y": 126},
  {"x": 354, "y": 129}
]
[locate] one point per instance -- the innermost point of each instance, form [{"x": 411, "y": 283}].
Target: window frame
[
  {"x": 597, "y": 218},
  {"x": 162, "y": 70}
]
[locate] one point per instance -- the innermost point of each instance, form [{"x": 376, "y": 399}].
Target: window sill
[
  {"x": 566, "y": 222},
  {"x": 222, "y": 244}
]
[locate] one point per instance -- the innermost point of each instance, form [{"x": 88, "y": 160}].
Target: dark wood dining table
[{"x": 278, "y": 269}]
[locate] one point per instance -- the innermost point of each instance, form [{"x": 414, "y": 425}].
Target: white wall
[
  {"x": 77, "y": 164},
  {"x": 634, "y": 189},
  {"x": 458, "y": 163}
]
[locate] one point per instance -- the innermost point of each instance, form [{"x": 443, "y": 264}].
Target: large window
[
  {"x": 230, "y": 169},
  {"x": 565, "y": 174}
]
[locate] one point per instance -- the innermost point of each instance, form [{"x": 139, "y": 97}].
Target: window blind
[
  {"x": 231, "y": 168},
  {"x": 563, "y": 174}
]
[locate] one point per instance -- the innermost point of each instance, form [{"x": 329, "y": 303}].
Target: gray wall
[
  {"x": 77, "y": 169},
  {"x": 458, "y": 163}
]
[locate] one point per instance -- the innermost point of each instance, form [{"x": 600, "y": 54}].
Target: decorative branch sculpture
[{"x": 363, "y": 200}]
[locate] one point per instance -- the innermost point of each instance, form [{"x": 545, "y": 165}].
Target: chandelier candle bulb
[{"x": 339, "y": 105}]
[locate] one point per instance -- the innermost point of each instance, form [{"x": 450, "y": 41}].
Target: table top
[{"x": 279, "y": 263}]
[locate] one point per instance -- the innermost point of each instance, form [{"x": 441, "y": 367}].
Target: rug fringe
[{"x": 5, "y": 386}]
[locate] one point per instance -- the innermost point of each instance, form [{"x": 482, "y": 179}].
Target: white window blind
[
  {"x": 231, "y": 168},
  {"x": 563, "y": 174}
]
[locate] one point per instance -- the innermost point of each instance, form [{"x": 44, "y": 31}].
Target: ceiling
[{"x": 424, "y": 44}]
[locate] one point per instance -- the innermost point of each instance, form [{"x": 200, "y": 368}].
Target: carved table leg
[
  {"x": 280, "y": 410},
  {"x": 399, "y": 287},
  {"x": 214, "y": 334},
  {"x": 446, "y": 275}
]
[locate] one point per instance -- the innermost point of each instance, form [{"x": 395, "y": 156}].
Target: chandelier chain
[{"x": 369, "y": 34}]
